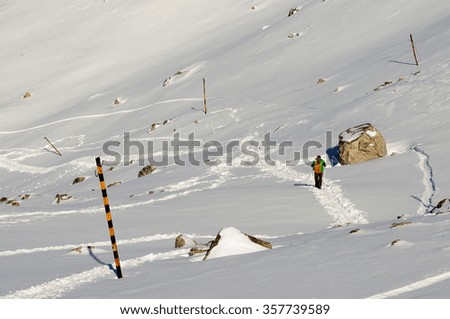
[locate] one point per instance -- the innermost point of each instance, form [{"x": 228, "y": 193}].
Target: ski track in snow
[
  {"x": 58, "y": 287},
  {"x": 428, "y": 181},
  {"x": 412, "y": 287},
  {"x": 213, "y": 178},
  {"x": 95, "y": 116},
  {"x": 13, "y": 165},
  {"x": 340, "y": 208},
  {"x": 269, "y": 104},
  {"x": 122, "y": 242}
]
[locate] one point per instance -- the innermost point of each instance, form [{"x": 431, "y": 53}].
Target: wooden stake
[
  {"x": 58, "y": 152},
  {"x": 414, "y": 49},
  {"x": 204, "y": 96}
]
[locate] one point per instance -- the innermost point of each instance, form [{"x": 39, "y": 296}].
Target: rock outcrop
[
  {"x": 13, "y": 203},
  {"x": 293, "y": 11},
  {"x": 78, "y": 180},
  {"x": 442, "y": 207},
  {"x": 146, "y": 170},
  {"x": 183, "y": 240},
  {"x": 60, "y": 198},
  {"x": 360, "y": 144}
]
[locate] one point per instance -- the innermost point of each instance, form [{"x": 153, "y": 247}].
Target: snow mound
[{"x": 231, "y": 241}]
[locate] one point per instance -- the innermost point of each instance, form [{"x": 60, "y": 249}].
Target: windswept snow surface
[{"x": 270, "y": 114}]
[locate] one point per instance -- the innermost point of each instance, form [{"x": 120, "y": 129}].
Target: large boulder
[{"x": 360, "y": 144}]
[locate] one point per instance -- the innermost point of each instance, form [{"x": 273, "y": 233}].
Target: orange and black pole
[{"x": 109, "y": 217}]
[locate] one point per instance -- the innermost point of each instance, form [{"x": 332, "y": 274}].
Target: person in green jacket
[{"x": 318, "y": 166}]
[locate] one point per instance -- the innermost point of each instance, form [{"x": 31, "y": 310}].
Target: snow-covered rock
[
  {"x": 231, "y": 241},
  {"x": 184, "y": 240}
]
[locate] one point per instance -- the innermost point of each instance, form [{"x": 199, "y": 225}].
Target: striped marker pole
[
  {"x": 204, "y": 96},
  {"x": 109, "y": 217}
]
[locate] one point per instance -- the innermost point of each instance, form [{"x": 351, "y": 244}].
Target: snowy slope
[{"x": 77, "y": 58}]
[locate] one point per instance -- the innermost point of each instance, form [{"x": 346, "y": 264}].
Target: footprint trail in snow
[{"x": 340, "y": 208}]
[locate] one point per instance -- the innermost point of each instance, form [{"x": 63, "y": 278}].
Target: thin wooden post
[
  {"x": 414, "y": 49},
  {"x": 57, "y": 151},
  {"x": 109, "y": 218},
  {"x": 204, "y": 96}
]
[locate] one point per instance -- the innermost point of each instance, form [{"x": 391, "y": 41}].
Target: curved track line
[
  {"x": 74, "y": 165},
  {"x": 131, "y": 241},
  {"x": 93, "y": 116},
  {"x": 58, "y": 287},
  {"x": 411, "y": 287},
  {"x": 179, "y": 189},
  {"x": 97, "y": 115},
  {"x": 271, "y": 104}
]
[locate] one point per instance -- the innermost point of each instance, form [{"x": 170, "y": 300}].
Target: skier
[{"x": 318, "y": 166}]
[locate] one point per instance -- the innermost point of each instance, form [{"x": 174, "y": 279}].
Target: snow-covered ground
[{"x": 105, "y": 71}]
